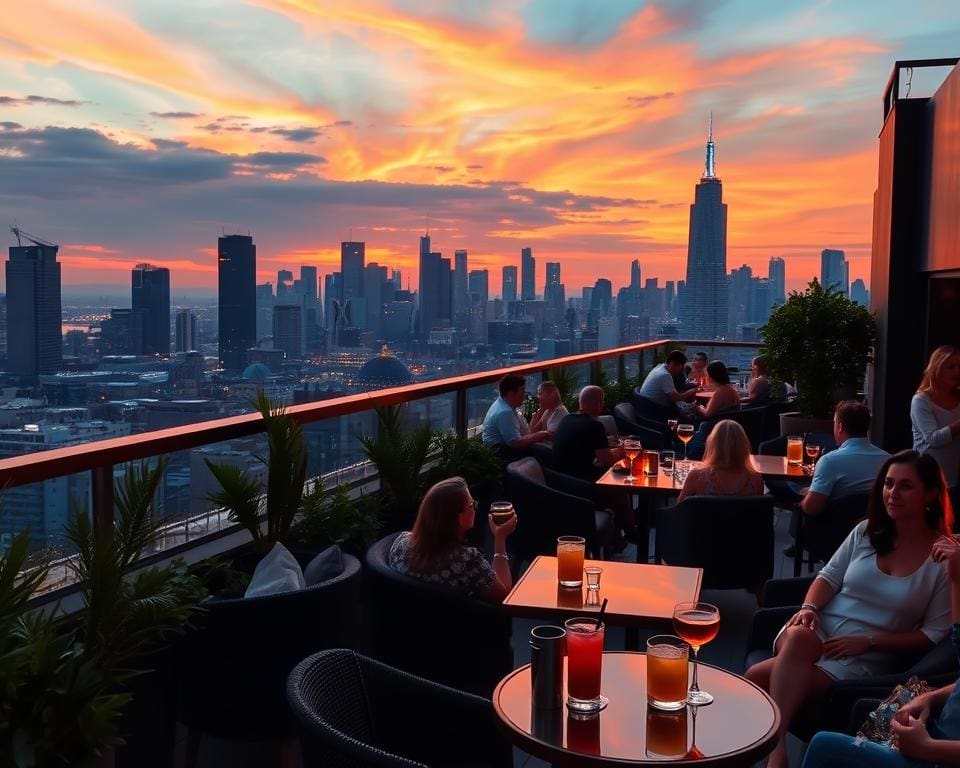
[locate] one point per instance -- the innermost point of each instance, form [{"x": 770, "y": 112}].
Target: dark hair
[
  {"x": 676, "y": 356},
  {"x": 511, "y": 383},
  {"x": 436, "y": 531},
  {"x": 700, "y": 356},
  {"x": 881, "y": 528},
  {"x": 854, "y": 417},
  {"x": 718, "y": 372}
]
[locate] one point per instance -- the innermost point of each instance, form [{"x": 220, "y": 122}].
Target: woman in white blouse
[
  {"x": 551, "y": 410},
  {"x": 880, "y": 595},
  {"x": 935, "y": 413}
]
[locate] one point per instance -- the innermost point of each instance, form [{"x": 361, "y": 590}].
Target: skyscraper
[
  {"x": 705, "y": 297},
  {"x": 287, "y": 327},
  {"x": 551, "y": 287},
  {"x": 528, "y": 275},
  {"x": 859, "y": 293},
  {"x": 237, "y": 299},
  {"x": 284, "y": 283},
  {"x": 777, "y": 275},
  {"x": 34, "y": 343},
  {"x": 151, "y": 293},
  {"x": 509, "y": 287},
  {"x": 635, "y": 279},
  {"x": 480, "y": 286},
  {"x": 834, "y": 271},
  {"x": 461, "y": 299},
  {"x": 187, "y": 333},
  {"x": 352, "y": 258},
  {"x": 738, "y": 298}
]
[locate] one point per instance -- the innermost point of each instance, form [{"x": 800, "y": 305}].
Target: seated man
[
  {"x": 659, "y": 388},
  {"x": 697, "y": 375},
  {"x": 505, "y": 430},
  {"x": 580, "y": 446},
  {"x": 758, "y": 390},
  {"x": 851, "y": 468}
]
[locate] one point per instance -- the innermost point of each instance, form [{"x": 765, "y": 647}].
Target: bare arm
[
  {"x": 607, "y": 457},
  {"x": 691, "y": 486},
  {"x": 539, "y": 419},
  {"x": 528, "y": 440},
  {"x": 501, "y": 565},
  {"x": 814, "y": 503}
]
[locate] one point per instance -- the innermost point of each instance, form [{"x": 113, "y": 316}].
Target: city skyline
[{"x": 306, "y": 121}]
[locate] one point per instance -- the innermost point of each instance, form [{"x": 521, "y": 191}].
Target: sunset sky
[{"x": 139, "y": 130}]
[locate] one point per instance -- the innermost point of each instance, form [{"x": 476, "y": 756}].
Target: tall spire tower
[{"x": 705, "y": 298}]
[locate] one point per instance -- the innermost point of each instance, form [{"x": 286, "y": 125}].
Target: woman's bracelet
[
  {"x": 810, "y": 606},
  {"x": 501, "y": 554}
]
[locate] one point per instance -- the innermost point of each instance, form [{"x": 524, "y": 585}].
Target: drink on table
[
  {"x": 666, "y": 734},
  {"x": 632, "y": 449},
  {"x": 570, "y": 560},
  {"x": 501, "y": 511},
  {"x": 666, "y": 461},
  {"x": 685, "y": 433},
  {"x": 584, "y": 664},
  {"x": 813, "y": 452},
  {"x": 651, "y": 463},
  {"x": 698, "y": 624},
  {"x": 667, "y": 672},
  {"x": 794, "y": 449}
]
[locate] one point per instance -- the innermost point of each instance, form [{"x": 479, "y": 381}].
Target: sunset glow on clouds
[{"x": 140, "y": 130}]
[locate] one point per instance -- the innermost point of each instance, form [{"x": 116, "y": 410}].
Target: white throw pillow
[{"x": 278, "y": 572}]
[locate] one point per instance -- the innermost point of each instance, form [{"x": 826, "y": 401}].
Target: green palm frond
[
  {"x": 399, "y": 456},
  {"x": 240, "y": 494}
]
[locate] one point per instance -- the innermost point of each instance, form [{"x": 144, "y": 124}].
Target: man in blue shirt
[
  {"x": 851, "y": 468},
  {"x": 504, "y": 429}
]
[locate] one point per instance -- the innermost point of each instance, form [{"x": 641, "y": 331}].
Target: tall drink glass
[
  {"x": 685, "y": 434},
  {"x": 667, "y": 672},
  {"x": 570, "y": 560},
  {"x": 698, "y": 624},
  {"x": 631, "y": 448},
  {"x": 584, "y": 664},
  {"x": 794, "y": 449}
]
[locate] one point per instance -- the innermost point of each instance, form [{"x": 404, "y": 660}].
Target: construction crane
[{"x": 21, "y": 236}]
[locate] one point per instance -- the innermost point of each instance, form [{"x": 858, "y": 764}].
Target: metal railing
[{"x": 100, "y": 457}]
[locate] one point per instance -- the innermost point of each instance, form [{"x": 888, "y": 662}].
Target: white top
[
  {"x": 556, "y": 416},
  {"x": 658, "y": 386},
  {"x": 931, "y": 434},
  {"x": 871, "y": 602}
]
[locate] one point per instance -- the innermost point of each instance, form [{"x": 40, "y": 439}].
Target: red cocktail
[{"x": 584, "y": 665}]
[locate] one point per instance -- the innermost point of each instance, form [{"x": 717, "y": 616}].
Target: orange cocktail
[
  {"x": 794, "y": 449},
  {"x": 570, "y": 560},
  {"x": 667, "y": 672}
]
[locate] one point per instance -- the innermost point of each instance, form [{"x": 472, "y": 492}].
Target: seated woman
[
  {"x": 880, "y": 595},
  {"x": 758, "y": 390},
  {"x": 935, "y": 413},
  {"x": 727, "y": 470},
  {"x": 551, "y": 411},
  {"x": 725, "y": 396},
  {"x": 435, "y": 551},
  {"x": 922, "y": 740}
]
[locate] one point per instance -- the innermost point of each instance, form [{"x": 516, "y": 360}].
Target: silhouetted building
[
  {"x": 435, "y": 290},
  {"x": 528, "y": 275},
  {"x": 705, "y": 298},
  {"x": 35, "y": 345},
  {"x": 834, "y": 271},
  {"x": 352, "y": 262},
  {"x": 150, "y": 292},
  {"x": 124, "y": 333},
  {"x": 287, "y": 335},
  {"x": 777, "y": 275},
  {"x": 509, "y": 290},
  {"x": 187, "y": 331},
  {"x": 859, "y": 292},
  {"x": 461, "y": 298},
  {"x": 237, "y": 300}
]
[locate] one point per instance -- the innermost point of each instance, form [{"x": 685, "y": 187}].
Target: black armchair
[
  {"x": 824, "y": 533},
  {"x": 730, "y": 537},
  {"x": 752, "y": 420},
  {"x": 629, "y": 422},
  {"x": 233, "y": 666},
  {"x": 551, "y": 504},
  {"x": 354, "y": 712},
  {"x": 432, "y": 631},
  {"x": 938, "y": 666}
]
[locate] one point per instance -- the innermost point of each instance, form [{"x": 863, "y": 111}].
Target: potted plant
[
  {"x": 68, "y": 683},
  {"x": 820, "y": 341}
]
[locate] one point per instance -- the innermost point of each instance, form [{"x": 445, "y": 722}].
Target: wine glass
[
  {"x": 632, "y": 449},
  {"x": 698, "y": 624},
  {"x": 813, "y": 453},
  {"x": 685, "y": 433}
]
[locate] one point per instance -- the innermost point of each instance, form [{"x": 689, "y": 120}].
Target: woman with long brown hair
[
  {"x": 435, "y": 550},
  {"x": 881, "y": 594},
  {"x": 935, "y": 413}
]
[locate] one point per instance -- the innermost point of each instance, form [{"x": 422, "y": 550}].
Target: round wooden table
[{"x": 738, "y": 729}]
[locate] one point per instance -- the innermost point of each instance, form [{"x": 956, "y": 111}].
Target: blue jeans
[{"x": 837, "y": 750}]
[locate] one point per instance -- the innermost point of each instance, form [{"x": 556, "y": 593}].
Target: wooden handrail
[{"x": 58, "y": 462}]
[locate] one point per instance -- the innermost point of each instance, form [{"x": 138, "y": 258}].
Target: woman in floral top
[{"x": 435, "y": 550}]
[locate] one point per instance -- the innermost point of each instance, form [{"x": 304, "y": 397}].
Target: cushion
[
  {"x": 325, "y": 566},
  {"x": 278, "y": 572},
  {"x": 529, "y": 468},
  {"x": 609, "y": 425}
]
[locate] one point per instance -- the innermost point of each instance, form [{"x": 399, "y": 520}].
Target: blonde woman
[
  {"x": 726, "y": 469},
  {"x": 935, "y": 412}
]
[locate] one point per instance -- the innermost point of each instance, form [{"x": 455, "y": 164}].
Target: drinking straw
[{"x": 603, "y": 607}]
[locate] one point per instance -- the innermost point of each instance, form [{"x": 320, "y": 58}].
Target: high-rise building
[
  {"x": 352, "y": 262},
  {"x": 284, "y": 284},
  {"x": 461, "y": 298},
  {"x": 705, "y": 298},
  {"x": 834, "y": 271},
  {"x": 777, "y": 275},
  {"x": 151, "y": 293},
  {"x": 33, "y": 310},
  {"x": 287, "y": 330},
  {"x": 738, "y": 297},
  {"x": 237, "y": 299},
  {"x": 635, "y": 279},
  {"x": 187, "y": 331},
  {"x": 552, "y": 289},
  {"x": 479, "y": 286},
  {"x": 123, "y": 332},
  {"x": 528, "y": 275},
  {"x": 378, "y": 290},
  {"x": 859, "y": 293},
  {"x": 509, "y": 291}
]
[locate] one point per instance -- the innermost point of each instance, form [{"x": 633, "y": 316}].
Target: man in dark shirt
[{"x": 580, "y": 446}]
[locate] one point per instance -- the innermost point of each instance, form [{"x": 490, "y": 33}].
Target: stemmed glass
[
  {"x": 685, "y": 433},
  {"x": 698, "y": 624},
  {"x": 632, "y": 449},
  {"x": 813, "y": 453}
]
